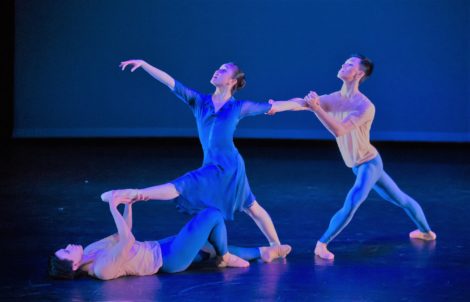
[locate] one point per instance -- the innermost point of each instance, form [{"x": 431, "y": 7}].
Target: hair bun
[{"x": 241, "y": 82}]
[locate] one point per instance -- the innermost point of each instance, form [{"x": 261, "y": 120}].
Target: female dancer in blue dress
[
  {"x": 221, "y": 182},
  {"x": 121, "y": 255}
]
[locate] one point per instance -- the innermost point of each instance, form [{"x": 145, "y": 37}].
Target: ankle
[{"x": 226, "y": 257}]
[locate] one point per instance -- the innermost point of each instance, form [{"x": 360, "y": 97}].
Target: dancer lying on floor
[{"x": 121, "y": 255}]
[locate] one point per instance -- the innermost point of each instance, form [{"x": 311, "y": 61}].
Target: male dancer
[{"x": 348, "y": 115}]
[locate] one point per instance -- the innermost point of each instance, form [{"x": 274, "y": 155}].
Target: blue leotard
[{"x": 221, "y": 182}]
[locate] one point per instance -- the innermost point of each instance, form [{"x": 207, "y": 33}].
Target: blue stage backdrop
[{"x": 68, "y": 84}]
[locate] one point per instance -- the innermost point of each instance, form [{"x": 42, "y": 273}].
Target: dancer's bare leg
[
  {"x": 264, "y": 222},
  {"x": 161, "y": 192}
]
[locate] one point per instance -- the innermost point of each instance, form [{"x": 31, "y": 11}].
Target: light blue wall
[{"x": 68, "y": 84}]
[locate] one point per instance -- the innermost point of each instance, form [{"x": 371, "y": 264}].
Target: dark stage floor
[{"x": 50, "y": 197}]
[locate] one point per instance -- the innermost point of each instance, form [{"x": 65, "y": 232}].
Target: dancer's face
[
  {"x": 224, "y": 76},
  {"x": 351, "y": 70},
  {"x": 71, "y": 252}
]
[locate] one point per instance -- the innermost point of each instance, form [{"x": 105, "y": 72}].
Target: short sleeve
[
  {"x": 250, "y": 108},
  {"x": 364, "y": 114},
  {"x": 325, "y": 102},
  {"x": 189, "y": 96}
]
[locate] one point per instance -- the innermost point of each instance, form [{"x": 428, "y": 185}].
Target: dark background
[
  {"x": 65, "y": 107},
  {"x": 66, "y": 81}
]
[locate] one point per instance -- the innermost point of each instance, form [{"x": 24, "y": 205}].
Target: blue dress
[{"x": 221, "y": 182}]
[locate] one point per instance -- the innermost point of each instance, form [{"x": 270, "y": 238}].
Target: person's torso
[
  {"x": 355, "y": 146},
  {"x": 144, "y": 258},
  {"x": 216, "y": 129}
]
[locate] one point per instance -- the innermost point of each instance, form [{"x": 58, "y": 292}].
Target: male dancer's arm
[
  {"x": 336, "y": 128},
  {"x": 128, "y": 215},
  {"x": 158, "y": 74},
  {"x": 107, "y": 265},
  {"x": 125, "y": 236}
]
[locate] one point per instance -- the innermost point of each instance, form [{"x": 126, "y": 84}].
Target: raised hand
[{"x": 134, "y": 63}]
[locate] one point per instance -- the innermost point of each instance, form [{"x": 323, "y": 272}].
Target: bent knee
[{"x": 355, "y": 198}]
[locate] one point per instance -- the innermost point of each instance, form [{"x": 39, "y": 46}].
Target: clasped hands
[{"x": 311, "y": 101}]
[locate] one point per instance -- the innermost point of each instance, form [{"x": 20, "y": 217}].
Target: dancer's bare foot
[
  {"x": 123, "y": 196},
  {"x": 269, "y": 253},
  {"x": 322, "y": 251},
  {"x": 230, "y": 260},
  {"x": 429, "y": 236}
]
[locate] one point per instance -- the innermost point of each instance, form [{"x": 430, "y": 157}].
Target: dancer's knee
[{"x": 355, "y": 198}]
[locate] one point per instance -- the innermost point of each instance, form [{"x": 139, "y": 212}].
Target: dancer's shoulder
[
  {"x": 330, "y": 97},
  {"x": 362, "y": 100}
]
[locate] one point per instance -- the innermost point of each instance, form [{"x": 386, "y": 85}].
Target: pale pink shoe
[
  {"x": 232, "y": 261},
  {"x": 417, "y": 234},
  {"x": 269, "y": 253},
  {"x": 123, "y": 196}
]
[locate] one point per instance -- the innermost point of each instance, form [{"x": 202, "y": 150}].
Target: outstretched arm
[
  {"x": 158, "y": 74},
  {"x": 126, "y": 238},
  {"x": 294, "y": 104},
  {"x": 128, "y": 215}
]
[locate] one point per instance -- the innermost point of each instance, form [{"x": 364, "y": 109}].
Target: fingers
[
  {"x": 123, "y": 65},
  {"x": 312, "y": 94},
  {"x": 134, "y": 63}
]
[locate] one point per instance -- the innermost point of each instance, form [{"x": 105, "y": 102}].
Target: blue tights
[
  {"x": 370, "y": 175},
  {"x": 178, "y": 252},
  {"x": 205, "y": 232}
]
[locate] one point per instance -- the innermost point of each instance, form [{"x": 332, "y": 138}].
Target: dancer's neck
[
  {"x": 86, "y": 263},
  {"x": 221, "y": 94},
  {"x": 349, "y": 89}
]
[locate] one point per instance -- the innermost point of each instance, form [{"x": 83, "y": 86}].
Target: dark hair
[
  {"x": 60, "y": 269},
  {"x": 238, "y": 75},
  {"x": 366, "y": 65}
]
